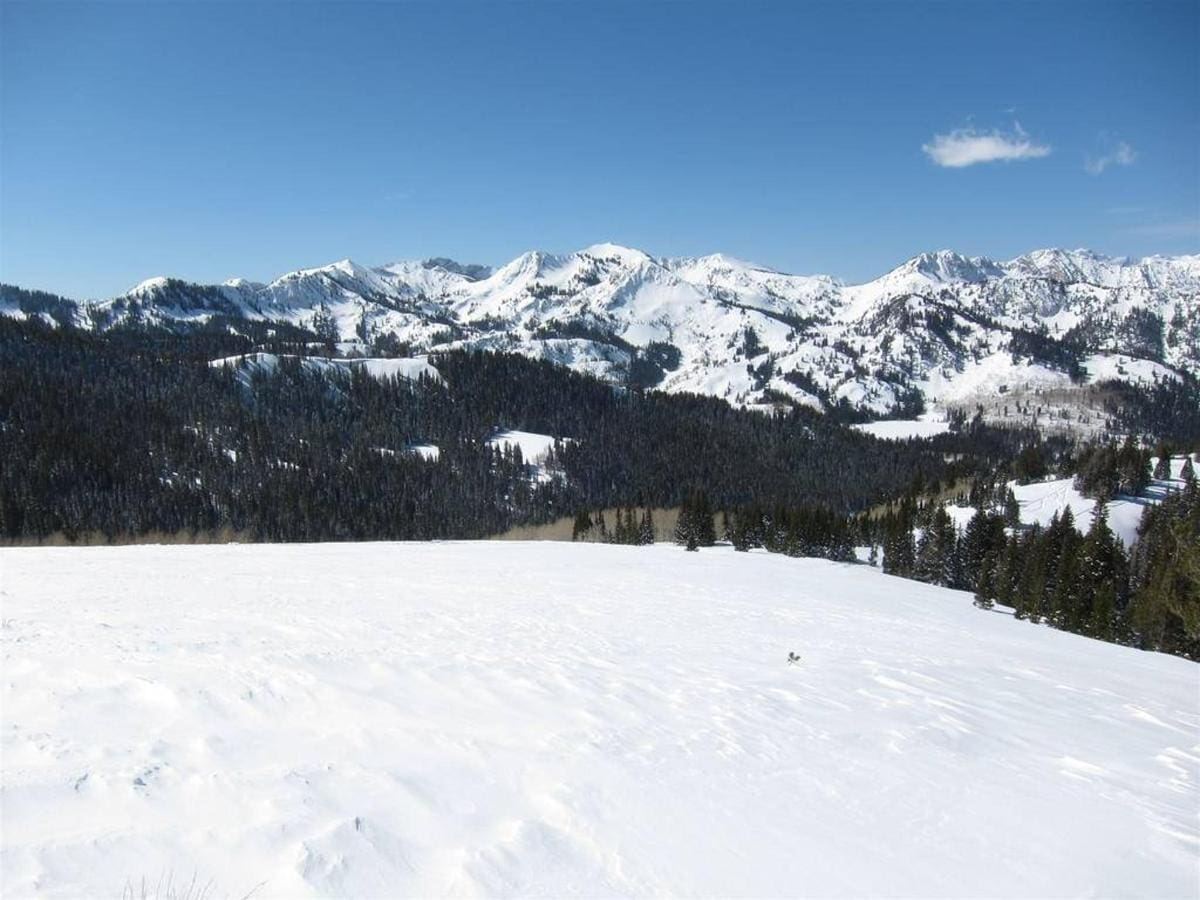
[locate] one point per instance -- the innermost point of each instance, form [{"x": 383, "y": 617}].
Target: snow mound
[{"x": 500, "y": 719}]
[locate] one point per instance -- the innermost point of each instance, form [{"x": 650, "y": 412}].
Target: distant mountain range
[{"x": 942, "y": 328}]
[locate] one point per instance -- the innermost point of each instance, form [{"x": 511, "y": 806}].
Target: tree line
[
  {"x": 1087, "y": 582},
  {"x": 133, "y": 431}
]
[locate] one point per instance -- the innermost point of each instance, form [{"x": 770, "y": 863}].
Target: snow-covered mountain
[{"x": 950, "y": 329}]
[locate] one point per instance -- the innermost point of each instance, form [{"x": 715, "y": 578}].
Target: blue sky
[{"x": 208, "y": 140}]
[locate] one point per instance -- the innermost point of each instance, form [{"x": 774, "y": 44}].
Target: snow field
[
  {"x": 534, "y": 446},
  {"x": 1040, "y": 501},
  {"x": 902, "y": 429},
  {"x": 483, "y": 719}
]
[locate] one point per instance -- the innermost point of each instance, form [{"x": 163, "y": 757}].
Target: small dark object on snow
[{"x": 793, "y": 658}]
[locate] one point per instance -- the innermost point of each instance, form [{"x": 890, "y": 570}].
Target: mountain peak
[
  {"x": 473, "y": 271},
  {"x": 149, "y": 286},
  {"x": 947, "y": 266},
  {"x": 341, "y": 267},
  {"x": 608, "y": 250}
]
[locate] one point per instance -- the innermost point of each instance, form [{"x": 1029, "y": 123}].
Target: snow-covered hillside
[
  {"x": 961, "y": 332},
  {"x": 249, "y": 364},
  {"x": 1041, "y": 501},
  {"x": 501, "y": 719}
]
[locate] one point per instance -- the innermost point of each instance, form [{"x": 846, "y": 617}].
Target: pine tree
[
  {"x": 1031, "y": 581},
  {"x": 1100, "y": 568},
  {"x": 1165, "y": 576},
  {"x": 925, "y": 567},
  {"x": 685, "y": 530},
  {"x": 983, "y": 588},
  {"x": 582, "y": 527},
  {"x": 646, "y": 528},
  {"x": 899, "y": 554},
  {"x": 325, "y": 326},
  {"x": 983, "y": 535},
  {"x": 706, "y": 532},
  {"x": 1007, "y": 572},
  {"x": 627, "y": 527},
  {"x": 1133, "y": 467},
  {"x": 945, "y": 547},
  {"x": 1162, "y": 465},
  {"x": 1065, "y": 598},
  {"x": 1012, "y": 509}
]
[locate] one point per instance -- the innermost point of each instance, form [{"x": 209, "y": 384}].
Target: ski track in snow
[{"x": 498, "y": 719}]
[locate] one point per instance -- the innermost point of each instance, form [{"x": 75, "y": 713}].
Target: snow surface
[
  {"x": 902, "y": 429},
  {"x": 1041, "y": 501},
  {"x": 430, "y": 452},
  {"x": 550, "y": 719},
  {"x": 409, "y": 368},
  {"x": 534, "y": 446}
]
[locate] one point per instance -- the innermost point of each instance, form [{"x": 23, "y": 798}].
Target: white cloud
[
  {"x": 1121, "y": 155},
  {"x": 967, "y": 146},
  {"x": 1181, "y": 228}
]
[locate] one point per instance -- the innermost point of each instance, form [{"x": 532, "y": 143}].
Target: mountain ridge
[{"x": 940, "y": 328}]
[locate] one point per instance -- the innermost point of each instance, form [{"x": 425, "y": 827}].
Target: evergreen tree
[
  {"x": 1165, "y": 576},
  {"x": 1007, "y": 572},
  {"x": 983, "y": 535},
  {"x": 1100, "y": 568},
  {"x": 899, "y": 554},
  {"x": 685, "y": 525},
  {"x": 1065, "y": 600},
  {"x": 703, "y": 524},
  {"x": 582, "y": 527},
  {"x": 1012, "y": 509},
  {"x": 936, "y": 554},
  {"x": 984, "y": 592},
  {"x": 1030, "y": 464},
  {"x": 1133, "y": 467},
  {"x": 1162, "y": 464},
  {"x": 646, "y": 528},
  {"x": 1031, "y": 583},
  {"x": 325, "y": 326}
]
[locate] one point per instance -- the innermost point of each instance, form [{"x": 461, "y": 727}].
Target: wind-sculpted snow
[{"x": 500, "y": 719}]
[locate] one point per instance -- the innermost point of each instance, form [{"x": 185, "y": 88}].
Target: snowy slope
[
  {"x": 902, "y": 429},
  {"x": 534, "y": 446},
  {"x": 411, "y": 369},
  {"x": 501, "y": 719},
  {"x": 941, "y": 323},
  {"x": 1043, "y": 500}
]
